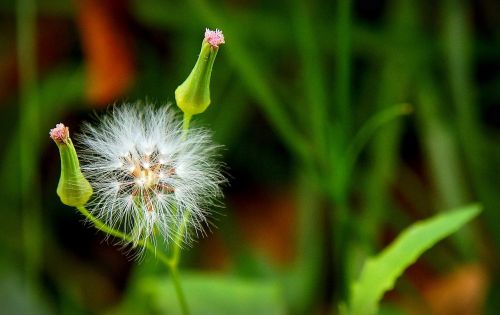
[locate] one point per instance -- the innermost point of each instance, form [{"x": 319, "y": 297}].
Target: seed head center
[{"x": 149, "y": 173}]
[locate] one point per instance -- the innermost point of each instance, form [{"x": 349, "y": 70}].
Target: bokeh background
[{"x": 342, "y": 123}]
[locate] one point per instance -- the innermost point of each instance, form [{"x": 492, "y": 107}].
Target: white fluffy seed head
[{"x": 148, "y": 177}]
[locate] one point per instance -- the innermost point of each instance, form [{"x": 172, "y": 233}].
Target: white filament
[{"x": 147, "y": 177}]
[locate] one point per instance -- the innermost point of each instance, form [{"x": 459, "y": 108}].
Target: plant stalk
[{"x": 171, "y": 263}]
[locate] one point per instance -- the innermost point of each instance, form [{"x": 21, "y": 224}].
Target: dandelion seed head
[{"x": 147, "y": 177}]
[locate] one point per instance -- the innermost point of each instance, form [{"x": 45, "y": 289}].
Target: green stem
[
  {"x": 185, "y": 125},
  {"x": 101, "y": 226},
  {"x": 174, "y": 272},
  {"x": 170, "y": 263},
  {"x": 175, "y": 259},
  {"x": 176, "y": 251}
]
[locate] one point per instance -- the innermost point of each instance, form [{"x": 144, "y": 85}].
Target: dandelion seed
[{"x": 141, "y": 189}]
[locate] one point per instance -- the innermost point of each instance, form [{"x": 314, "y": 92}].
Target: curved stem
[
  {"x": 119, "y": 234},
  {"x": 185, "y": 125},
  {"x": 368, "y": 129},
  {"x": 174, "y": 263},
  {"x": 174, "y": 272},
  {"x": 102, "y": 226},
  {"x": 170, "y": 263}
]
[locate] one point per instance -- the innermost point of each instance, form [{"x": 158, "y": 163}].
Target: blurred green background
[{"x": 342, "y": 123}]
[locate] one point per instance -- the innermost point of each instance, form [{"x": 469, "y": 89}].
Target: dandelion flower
[{"x": 149, "y": 177}]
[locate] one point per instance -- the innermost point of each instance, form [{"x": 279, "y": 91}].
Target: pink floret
[
  {"x": 214, "y": 38},
  {"x": 60, "y": 133}
]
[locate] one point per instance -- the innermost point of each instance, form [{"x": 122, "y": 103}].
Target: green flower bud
[
  {"x": 193, "y": 96},
  {"x": 73, "y": 189}
]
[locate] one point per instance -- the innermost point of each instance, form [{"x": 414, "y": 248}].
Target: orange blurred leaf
[
  {"x": 461, "y": 292},
  {"x": 110, "y": 60},
  {"x": 267, "y": 222}
]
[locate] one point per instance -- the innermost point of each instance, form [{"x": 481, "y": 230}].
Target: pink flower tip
[
  {"x": 214, "y": 38},
  {"x": 60, "y": 134}
]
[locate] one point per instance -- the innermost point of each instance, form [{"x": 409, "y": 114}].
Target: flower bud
[
  {"x": 73, "y": 189},
  {"x": 193, "y": 96}
]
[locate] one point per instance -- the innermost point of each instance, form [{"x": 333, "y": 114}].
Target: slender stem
[
  {"x": 174, "y": 272},
  {"x": 170, "y": 263},
  {"x": 179, "y": 239},
  {"x": 176, "y": 251},
  {"x": 119, "y": 234},
  {"x": 185, "y": 124},
  {"x": 102, "y": 226}
]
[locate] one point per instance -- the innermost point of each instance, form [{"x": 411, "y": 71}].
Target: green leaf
[
  {"x": 379, "y": 273},
  {"x": 205, "y": 295}
]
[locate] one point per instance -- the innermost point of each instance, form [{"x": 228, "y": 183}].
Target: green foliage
[
  {"x": 293, "y": 92},
  {"x": 381, "y": 272},
  {"x": 208, "y": 295}
]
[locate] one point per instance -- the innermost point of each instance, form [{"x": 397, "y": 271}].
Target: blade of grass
[
  {"x": 343, "y": 64},
  {"x": 395, "y": 78},
  {"x": 458, "y": 54},
  {"x": 28, "y": 123},
  {"x": 367, "y": 131},
  {"x": 394, "y": 85},
  {"x": 442, "y": 153},
  {"x": 312, "y": 74},
  {"x": 340, "y": 218},
  {"x": 458, "y": 43},
  {"x": 444, "y": 159}
]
